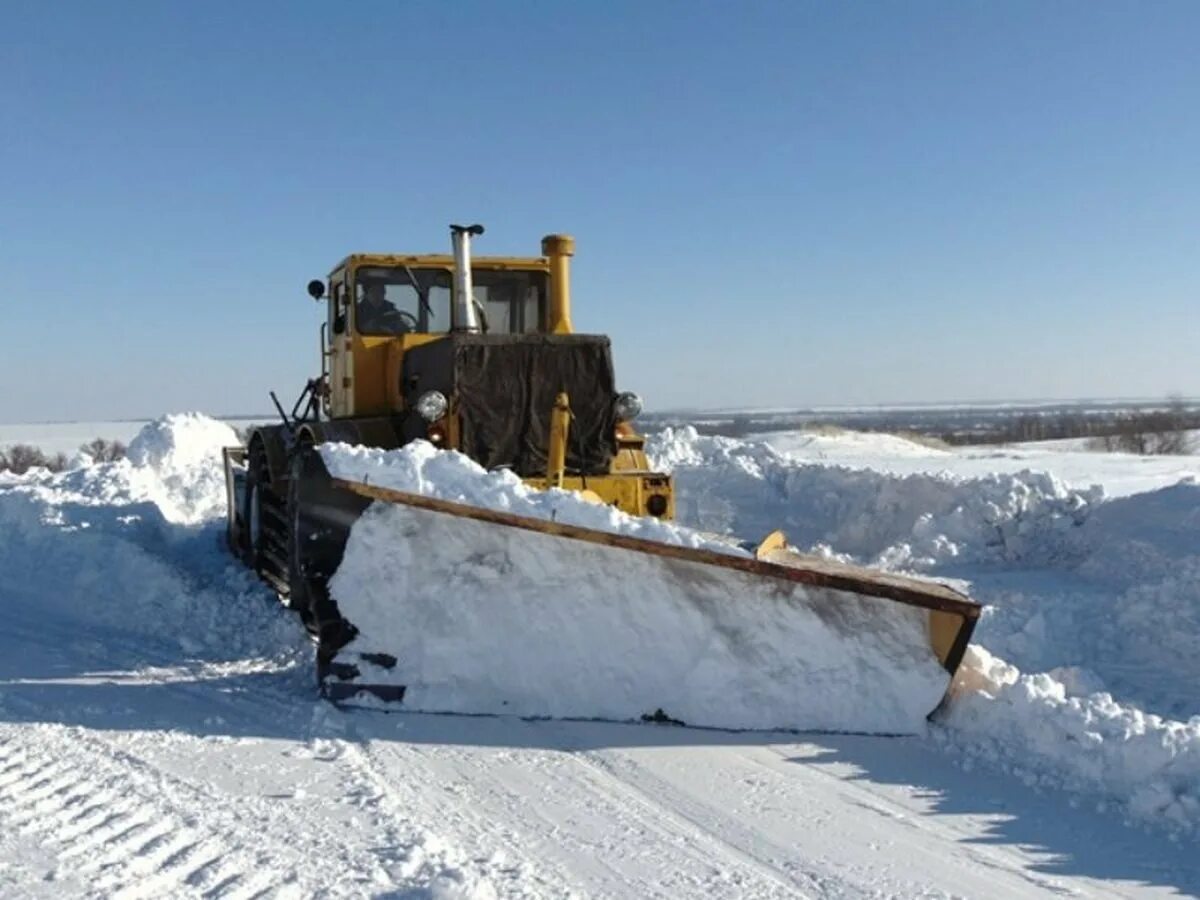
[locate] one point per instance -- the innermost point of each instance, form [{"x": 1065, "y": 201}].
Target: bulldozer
[{"x": 477, "y": 354}]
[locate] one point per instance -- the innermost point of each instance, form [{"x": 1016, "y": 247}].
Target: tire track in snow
[
  {"x": 127, "y": 841},
  {"x": 741, "y": 840},
  {"x": 590, "y": 834},
  {"x": 133, "y": 841},
  {"x": 758, "y": 800},
  {"x": 403, "y": 794},
  {"x": 739, "y": 822},
  {"x": 127, "y": 810}
]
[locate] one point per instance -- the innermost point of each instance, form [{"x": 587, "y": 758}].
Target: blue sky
[{"x": 774, "y": 203}]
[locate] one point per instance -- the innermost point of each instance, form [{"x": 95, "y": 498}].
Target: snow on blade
[
  {"x": 422, "y": 468},
  {"x": 489, "y": 619}
]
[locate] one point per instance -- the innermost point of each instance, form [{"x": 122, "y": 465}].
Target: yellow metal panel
[
  {"x": 628, "y": 492},
  {"x": 377, "y": 362},
  {"x": 445, "y": 261},
  {"x": 560, "y": 427},
  {"x": 630, "y": 459},
  {"x": 943, "y": 633}
]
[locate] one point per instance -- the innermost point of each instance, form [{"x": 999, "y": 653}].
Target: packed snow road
[
  {"x": 159, "y": 733},
  {"x": 126, "y": 773}
]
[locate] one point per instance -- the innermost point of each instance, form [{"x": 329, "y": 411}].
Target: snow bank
[
  {"x": 913, "y": 521},
  {"x": 1032, "y": 725},
  {"x": 136, "y": 545},
  {"x": 1100, "y": 592},
  {"x": 183, "y": 452},
  {"x": 488, "y": 619},
  {"x": 846, "y": 444}
]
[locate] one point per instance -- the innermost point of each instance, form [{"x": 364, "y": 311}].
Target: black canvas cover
[{"x": 506, "y": 386}]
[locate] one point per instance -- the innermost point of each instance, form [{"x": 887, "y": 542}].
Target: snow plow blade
[{"x": 445, "y": 607}]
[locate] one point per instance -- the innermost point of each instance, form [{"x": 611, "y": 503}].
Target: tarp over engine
[{"x": 506, "y": 386}]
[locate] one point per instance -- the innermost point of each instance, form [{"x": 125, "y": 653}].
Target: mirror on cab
[{"x": 316, "y": 289}]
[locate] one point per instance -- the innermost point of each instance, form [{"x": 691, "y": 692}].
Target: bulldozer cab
[
  {"x": 477, "y": 354},
  {"x": 381, "y": 306}
]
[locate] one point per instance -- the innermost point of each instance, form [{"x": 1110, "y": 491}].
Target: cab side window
[{"x": 337, "y": 309}]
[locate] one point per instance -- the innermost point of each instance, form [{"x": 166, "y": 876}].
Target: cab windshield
[
  {"x": 399, "y": 300},
  {"x": 391, "y": 301}
]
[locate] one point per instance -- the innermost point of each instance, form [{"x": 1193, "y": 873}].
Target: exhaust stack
[
  {"x": 465, "y": 318},
  {"x": 559, "y": 248}
]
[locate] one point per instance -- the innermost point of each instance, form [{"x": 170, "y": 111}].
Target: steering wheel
[{"x": 406, "y": 318}]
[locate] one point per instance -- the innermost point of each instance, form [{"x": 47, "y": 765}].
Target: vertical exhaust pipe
[
  {"x": 465, "y": 318},
  {"x": 559, "y": 248}
]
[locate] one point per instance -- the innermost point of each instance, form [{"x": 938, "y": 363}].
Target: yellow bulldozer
[{"x": 477, "y": 355}]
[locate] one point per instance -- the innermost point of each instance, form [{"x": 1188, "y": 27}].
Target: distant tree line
[
  {"x": 20, "y": 458},
  {"x": 1151, "y": 434},
  {"x": 1146, "y": 432}
]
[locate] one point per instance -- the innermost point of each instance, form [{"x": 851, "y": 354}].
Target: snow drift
[
  {"x": 135, "y": 545},
  {"x": 1049, "y": 736},
  {"x": 913, "y": 521},
  {"x": 485, "y": 618}
]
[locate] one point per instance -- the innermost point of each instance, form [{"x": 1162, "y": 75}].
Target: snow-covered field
[
  {"x": 1068, "y": 460},
  {"x": 159, "y": 733}
]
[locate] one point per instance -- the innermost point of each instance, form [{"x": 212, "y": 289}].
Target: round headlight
[
  {"x": 628, "y": 406},
  {"x": 432, "y": 405}
]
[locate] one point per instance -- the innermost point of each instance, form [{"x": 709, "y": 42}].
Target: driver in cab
[{"x": 377, "y": 314}]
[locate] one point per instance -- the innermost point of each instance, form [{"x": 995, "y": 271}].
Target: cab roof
[{"x": 444, "y": 261}]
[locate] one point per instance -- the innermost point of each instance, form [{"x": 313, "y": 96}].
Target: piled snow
[
  {"x": 844, "y": 445},
  {"x": 184, "y": 452},
  {"x": 915, "y": 521},
  {"x": 1121, "y": 474},
  {"x": 486, "y": 619},
  {"x": 136, "y": 544},
  {"x": 1035, "y": 727},
  {"x": 181, "y": 442},
  {"x": 1101, "y": 592}
]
